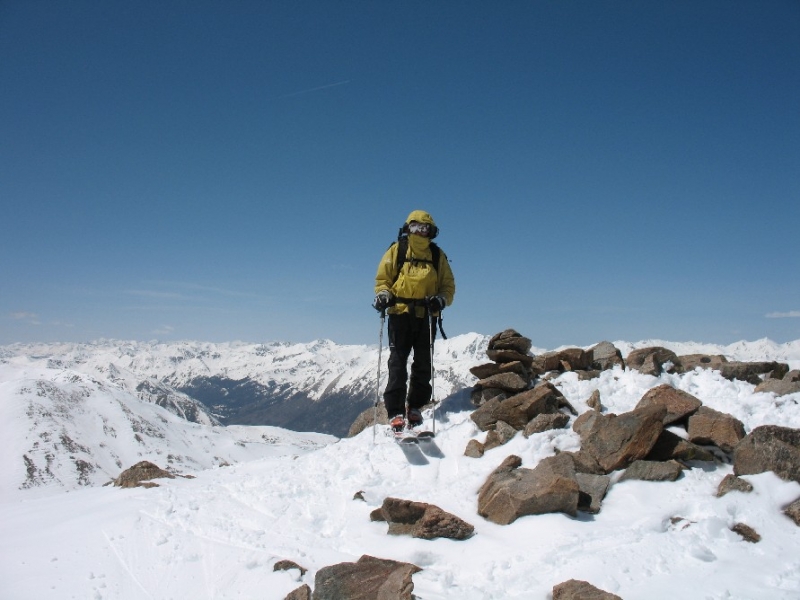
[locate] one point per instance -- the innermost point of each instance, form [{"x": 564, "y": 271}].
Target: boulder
[
  {"x": 769, "y": 448},
  {"x": 421, "y": 520},
  {"x": 732, "y": 483},
  {"x": 507, "y": 382},
  {"x": 474, "y": 449},
  {"x": 569, "y": 359},
  {"x": 594, "y": 401},
  {"x": 615, "y": 441},
  {"x": 510, "y": 340},
  {"x": 511, "y": 492},
  {"x": 670, "y": 446},
  {"x": 140, "y": 474},
  {"x": 650, "y": 470},
  {"x": 584, "y": 423},
  {"x": 790, "y": 384},
  {"x": 575, "y": 589},
  {"x": 793, "y": 511},
  {"x": 748, "y": 533},
  {"x": 651, "y": 361},
  {"x": 605, "y": 355},
  {"x": 520, "y": 409},
  {"x": 501, "y": 434},
  {"x": 481, "y": 396},
  {"x": 752, "y": 371},
  {"x": 367, "y": 578},
  {"x": 507, "y": 356},
  {"x": 489, "y": 369},
  {"x": 708, "y": 426},
  {"x": 301, "y": 593},
  {"x": 287, "y": 565},
  {"x": 485, "y": 370},
  {"x": 690, "y": 362},
  {"x": 592, "y": 489},
  {"x": 367, "y": 418},
  {"x": 679, "y": 404},
  {"x": 546, "y": 422}
]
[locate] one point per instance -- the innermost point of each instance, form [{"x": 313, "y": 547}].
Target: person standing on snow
[{"x": 414, "y": 282}]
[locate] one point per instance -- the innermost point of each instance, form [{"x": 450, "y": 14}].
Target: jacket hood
[{"x": 420, "y": 216}]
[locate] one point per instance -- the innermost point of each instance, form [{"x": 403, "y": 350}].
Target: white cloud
[
  {"x": 31, "y": 318},
  {"x": 783, "y": 315}
]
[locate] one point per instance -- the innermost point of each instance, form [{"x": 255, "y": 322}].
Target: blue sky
[{"x": 234, "y": 170}]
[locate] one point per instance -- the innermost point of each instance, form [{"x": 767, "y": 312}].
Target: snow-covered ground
[{"x": 218, "y": 535}]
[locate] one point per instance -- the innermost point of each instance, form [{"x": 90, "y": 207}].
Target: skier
[{"x": 414, "y": 282}]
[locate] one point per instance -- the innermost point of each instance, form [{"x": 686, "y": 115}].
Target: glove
[
  {"x": 382, "y": 300},
  {"x": 436, "y": 303}
]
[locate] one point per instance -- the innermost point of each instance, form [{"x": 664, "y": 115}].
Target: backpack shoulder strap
[{"x": 402, "y": 250}]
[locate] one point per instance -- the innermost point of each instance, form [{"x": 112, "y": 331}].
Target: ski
[{"x": 410, "y": 436}]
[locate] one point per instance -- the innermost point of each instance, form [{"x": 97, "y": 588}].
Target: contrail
[{"x": 316, "y": 89}]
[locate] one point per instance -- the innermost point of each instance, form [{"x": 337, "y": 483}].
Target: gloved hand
[
  {"x": 436, "y": 303},
  {"x": 382, "y": 300}
]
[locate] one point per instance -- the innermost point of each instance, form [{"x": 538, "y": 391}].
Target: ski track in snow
[{"x": 219, "y": 535}]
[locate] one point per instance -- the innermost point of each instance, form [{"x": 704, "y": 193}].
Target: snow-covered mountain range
[{"x": 73, "y": 416}]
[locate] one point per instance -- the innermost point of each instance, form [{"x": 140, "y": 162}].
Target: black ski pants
[{"x": 408, "y": 333}]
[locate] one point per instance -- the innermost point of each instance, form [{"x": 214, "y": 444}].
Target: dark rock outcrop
[{"x": 140, "y": 474}]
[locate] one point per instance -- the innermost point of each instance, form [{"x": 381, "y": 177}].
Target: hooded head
[{"x": 420, "y": 216}]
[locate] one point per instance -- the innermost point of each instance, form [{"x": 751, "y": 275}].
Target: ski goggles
[{"x": 419, "y": 228}]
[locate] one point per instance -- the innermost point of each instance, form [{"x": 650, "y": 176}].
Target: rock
[
  {"x": 423, "y": 521},
  {"x": 793, "y": 512},
  {"x": 511, "y": 492},
  {"x": 708, "y": 426},
  {"x": 510, "y": 340},
  {"x": 286, "y": 565},
  {"x": 367, "y": 418},
  {"x": 584, "y": 423},
  {"x": 670, "y": 446},
  {"x": 518, "y": 410},
  {"x": 548, "y": 361},
  {"x": 301, "y": 593},
  {"x": 592, "y": 489},
  {"x": 569, "y": 359},
  {"x": 367, "y": 578},
  {"x": 790, "y": 384},
  {"x": 752, "y": 371},
  {"x": 748, "y": 533},
  {"x": 769, "y": 448},
  {"x": 585, "y": 463},
  {"x": 474, "y": 449},
  {"x": 485, "y": 370},
  {"x": 594, "y": 401},
  {"x": 140, "y": 474},
  {"x": 651, "y": 361},
  {"x": 508, "y": 382},
  {"x": 690, "y": 362},
  {"x": 546, "y": 422},
  {"x": 732, "y": 483},
  {"x": 501, "y": 434},
  {"x": 481, "y": 396},
  {"x": 605, "y": 355},
  {"x": 679, "y": 404},
  {"x": 489, "y": 369},
  {"x": 615, "y": 441},
  {"x": 507, "y": 356},
  {"x": 649, "y": 470},
  {"x": 575, "y": 589}
]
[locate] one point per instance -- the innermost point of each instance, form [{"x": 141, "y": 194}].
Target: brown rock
[
  {"x": 615, "y": 441},
  {"x": 301, "y": 593},
  {"x": 140, "y": 474},
  {"x": 593, "y": 489},
  {"x": 481, "y": 396},
  {"x": 367, "y": 578},
  {"x": 594, "y": 401},
  {"x": 679, "y": 404},
  {"x": 670, "y": 446},
  {"x": 501, "y": 434},
  {"x": 752, "y": 371},
  {"x": 708, "y": 426},
  {"x": 367, "y": 418},
  {"x": 780, "y": 387},
  {"x": 732, "y": 483},
  {"x": 518, "y": 410},
  {"x": 546, "y": 422},
  {"x": 605, "y": 355},
  {"x": 508, "y": 382},
  {"x": 510, "y": 492},
  {"x": 286, "y": 565},
  {"x": 793, "y": 512},
  {"x": 575, "y": 589},
  {"x": 423, "y": 521},
  {"x": 651, "y": 361},
  {"x": 748, "y": 533},
  {"x": 769, "y": 448},
  {"x": 510, "y": 340},
  {"x": 474, "y": 449},
  {"x": 649, "y": 470},
  {"x": 690, "y": 362}
]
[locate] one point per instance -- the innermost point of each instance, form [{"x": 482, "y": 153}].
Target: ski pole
[
  {"x": 378, "y": 382},
  {"x": 431, "y": 334}
]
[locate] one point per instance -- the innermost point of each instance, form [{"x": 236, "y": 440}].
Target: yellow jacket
[{"x": 416, "y": 280}]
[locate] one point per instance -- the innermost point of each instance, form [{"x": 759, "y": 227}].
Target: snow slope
[{"x": 219, "y": 535}]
